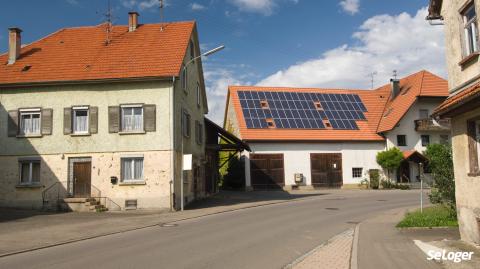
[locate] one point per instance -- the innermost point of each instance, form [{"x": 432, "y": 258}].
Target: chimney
[
  {"x": 14, "y": 44},
  {"x": 132, "y": 21},
  {"x": 395, "y": 84}
]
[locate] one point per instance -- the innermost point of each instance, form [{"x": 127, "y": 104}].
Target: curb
[
  {"x": 151, "y": 225},
  {"x": 354, "y": 253}
]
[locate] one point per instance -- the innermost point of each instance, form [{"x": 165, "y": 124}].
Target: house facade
[
  {"x": 330, "y": 137},
  {"x": 103, "y": 112},
  {"x": 463, "y": 106}
]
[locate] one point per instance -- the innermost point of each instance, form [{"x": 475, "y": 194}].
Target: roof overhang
[
  {"x": 464, "y": 101},
  {"x": 434, "y": 10},
  {"x": 232, "y": 143},
  {"x": 414, "y": 156}
]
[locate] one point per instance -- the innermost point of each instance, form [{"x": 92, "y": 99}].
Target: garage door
[
  {"x": 267, "y": 171},
  {"x": 326, "y": 170}
]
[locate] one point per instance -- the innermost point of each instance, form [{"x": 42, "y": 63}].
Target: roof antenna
[
  {"x": 109, "y": 17},
  {"x": 395, "y": 74},
  {"x": 372, "y": 77},
  {"x": 162, "y": 17}
]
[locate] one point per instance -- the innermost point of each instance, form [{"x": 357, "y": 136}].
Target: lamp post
[{"x": 205, "y": 54}]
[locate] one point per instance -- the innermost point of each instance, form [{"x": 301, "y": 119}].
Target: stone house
[
  {"x": 459, "y": 19},
  {"x": 101, "y": 115}
]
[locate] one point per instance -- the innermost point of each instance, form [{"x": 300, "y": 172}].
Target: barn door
[
  {"x": 267, "y": 171},
  {"x": 326, "y": 169}
]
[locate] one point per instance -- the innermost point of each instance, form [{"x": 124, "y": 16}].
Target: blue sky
[{"x": 327, "y": 43}]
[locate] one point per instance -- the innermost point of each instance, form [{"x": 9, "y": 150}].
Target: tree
[
  {"x": 390, "y": 160},
  {"x": 441, "y": 165}
]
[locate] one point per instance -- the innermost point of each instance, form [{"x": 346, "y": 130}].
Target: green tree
[
  {"x": 441, "y": 165},
  {"x": 390, "y": 160}
]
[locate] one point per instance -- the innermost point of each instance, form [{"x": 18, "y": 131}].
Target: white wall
[{"x": 297, "y": 157}]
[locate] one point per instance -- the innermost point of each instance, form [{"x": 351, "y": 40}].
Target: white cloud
[
  {"x": 385, "y": 43},
  {"x": 197, "y": 7},
  {"x": 265, "y": 7},
  {"x": 350, "y": 6}
]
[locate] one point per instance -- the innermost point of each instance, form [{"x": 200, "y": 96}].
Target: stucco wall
[{"x": 297, "y": 157}]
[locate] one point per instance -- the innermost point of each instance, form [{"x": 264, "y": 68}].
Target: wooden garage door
[
  {"x": 267, "y": 171},
  {"x": 326, "y": 170}
]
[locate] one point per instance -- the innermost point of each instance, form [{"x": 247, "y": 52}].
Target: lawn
[{"x": 435, "y": 216}]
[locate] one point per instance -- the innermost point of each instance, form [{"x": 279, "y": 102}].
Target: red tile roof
[
  {"x": 376, "y": 101},
  {"x": 458, "y": 99},
  {"x": 73, "y": 54}
]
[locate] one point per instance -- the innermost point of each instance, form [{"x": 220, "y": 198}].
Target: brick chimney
[
  {"x": 14, "y": 44},
  {"x": 395, "y": 84},
  {"x": 132, "y": 21}
]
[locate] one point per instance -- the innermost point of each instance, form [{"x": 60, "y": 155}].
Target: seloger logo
[{"x": 449, "y": 256}]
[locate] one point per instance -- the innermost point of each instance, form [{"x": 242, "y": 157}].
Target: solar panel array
[{"x": 297, "y": 110}]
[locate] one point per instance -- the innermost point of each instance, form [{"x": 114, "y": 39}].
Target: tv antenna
[
  {"x": 372, "y": 77},
  {"x": 162, "y": 17},
  {"x": 109, "y": 17},
  {"x": 395, "y": 73}
]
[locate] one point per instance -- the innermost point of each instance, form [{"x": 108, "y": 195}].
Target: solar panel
[{"x": 293, "y": 110}]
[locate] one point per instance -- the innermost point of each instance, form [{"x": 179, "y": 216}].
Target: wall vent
[{"x": 130, "y": 204}]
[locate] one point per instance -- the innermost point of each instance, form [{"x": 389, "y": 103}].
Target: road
[{"x": 262, "y": 237}]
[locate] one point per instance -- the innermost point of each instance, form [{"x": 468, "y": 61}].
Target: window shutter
[
  {"x": 472, "y": 147},
  {"x": 67, "y": 120},
  {"x": 113, "y": 119},
  {"x": 149, "y": 118},
  {"x": 47, "y": 121},
  {"x": 12, "y": 123},
  {"x": 93, "y": 119}
]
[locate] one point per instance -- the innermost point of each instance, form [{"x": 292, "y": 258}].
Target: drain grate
[
  {"x": 168, "y": 225},
  {"x": 332, "y": 208}
]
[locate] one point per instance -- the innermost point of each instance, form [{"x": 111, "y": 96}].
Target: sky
[{"x": 296, "y": 43}]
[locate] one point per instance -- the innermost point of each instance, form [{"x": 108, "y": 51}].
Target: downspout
[{"x": 172, "y": 141}]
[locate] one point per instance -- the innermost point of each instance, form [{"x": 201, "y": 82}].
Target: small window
[
  {"x": 185, "y": 124},
  {"x": 424, "y": 114},
  {"x": 425, "y": 140},
  {"x": 184, "y": 79},
  {"x": 444, "y": 139},
  {"x": 264, "y": 104},
  {"x": 29, "y": 172},
  {"x": 270, "y": 123},
  {"x": 402, "y": 140},
  {"x": 132, "y": 169},
  {"x": 80, "y": 120},
  {"x": 192, "y": 50},
  {"x": 198, "y": 132},
  {"x": 199, "y": 95},
  {"x": 357, "y": 172},
  {"x": 478, "y": 141},
  {"x": 132, "y": 118},
  {"x": 327, "y": 124},
  {"x": 470, "y": 29},
  {"x": 318, "y": 105},
  {"x": 30, "y": 122}
]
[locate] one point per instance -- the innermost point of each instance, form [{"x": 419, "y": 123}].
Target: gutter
[{"x": 172, "y": 141}]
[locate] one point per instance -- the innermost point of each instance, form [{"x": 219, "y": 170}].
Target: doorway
[{"x": 80, "y": 178}]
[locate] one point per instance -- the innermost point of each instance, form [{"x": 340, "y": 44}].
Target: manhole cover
[
  {"x": 332, "y": 208},
  {"x": 168, "y": 225}
]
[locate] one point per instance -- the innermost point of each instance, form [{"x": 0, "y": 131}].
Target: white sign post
[
  {"x": 186, "y": 166},
  {"x": 421, "y": 187}
]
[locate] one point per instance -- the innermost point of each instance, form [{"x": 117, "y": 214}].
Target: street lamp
[{"x": 205, "y": 54}]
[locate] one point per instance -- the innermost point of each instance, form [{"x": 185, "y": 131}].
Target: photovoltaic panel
[{"x": 293, "y": 110}]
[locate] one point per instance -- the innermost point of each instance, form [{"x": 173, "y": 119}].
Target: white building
[{"x": 330, "y": 137}]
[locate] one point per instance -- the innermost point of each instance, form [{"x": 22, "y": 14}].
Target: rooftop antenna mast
[
  {"x": 395, "y": 73},
  {"x": 162, "y": 17},
  {"x": 109, "y": 17},
  {"x": 372, "y": 77}
]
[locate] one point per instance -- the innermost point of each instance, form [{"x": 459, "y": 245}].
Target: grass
[{"x": 435, "y": 216}]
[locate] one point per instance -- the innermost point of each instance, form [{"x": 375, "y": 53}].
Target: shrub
[
  {"x": 390, "y": 160},
  {"x": 441, "y": 165},
  {"x": 436, "y": 216},
  {"x": 374, "y": 178}
]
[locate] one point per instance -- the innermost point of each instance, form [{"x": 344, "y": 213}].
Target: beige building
[
  {"x": 104, "y": 112},
  {"x": 463, "y": 106}
]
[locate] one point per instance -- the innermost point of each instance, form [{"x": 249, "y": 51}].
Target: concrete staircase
[{"x": 84, "y": 205}]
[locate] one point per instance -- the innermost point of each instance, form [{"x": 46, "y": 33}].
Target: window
[
  {"x": 30, "y": 122},
  {"x": 357, "y": 172},
  {"x": 29, "y": 172},
  {"x": 184, "y": 79},
  {"x": 198, "y": 132},
  {"x": 470, "y": 29},
  {"x": 80, "y": 120},
  {"x": 444, "y": 139},
  {"x": 132, "y": 118},
  {"x": 270, "y": 123},
  {"x": 185, "y": 124},
  {"x": 132, "y": 169},
  {"x": 192, "y": 50},
  {"x": 478, "y": 141},
  {"x": 199, "y": 95},
  {"x": 424, "y": 114},
  {"x": 318, "y": 105},
  {"x": 473, "y": 133},
  {"x": 264, "y": 104},
  {"x": 425, "y": 140},
  {"x": 402, "y": 140}
]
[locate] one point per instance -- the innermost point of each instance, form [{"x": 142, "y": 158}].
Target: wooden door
[
  {"x": 82, "y": 179},
  {"x": 267, "y": 171},
  {"x": 326, "y": 169}
]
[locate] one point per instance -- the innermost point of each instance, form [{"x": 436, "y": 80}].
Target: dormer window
[
  {"x": 318, "y": 105},
  {"x": 470, "y": 29},
  {"x": 270, "y": 123},
  {"x": 264, "y": 104}
]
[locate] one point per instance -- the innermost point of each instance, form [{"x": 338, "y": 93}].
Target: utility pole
[{"x": 421, "y": 187}]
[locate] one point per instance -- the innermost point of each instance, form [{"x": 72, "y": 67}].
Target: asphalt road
[{"x": 262, "y": 237}]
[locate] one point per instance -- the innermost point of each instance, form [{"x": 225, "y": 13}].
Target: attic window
[
  {"x": 270, "y": 123},
  {"x": 264, "y": 104},
  {"x": 328, "y": 125},
  {"x": 26, "y": 68},
  {"x": 318, "y": 105},
  {"x": 389, "y": 111}
]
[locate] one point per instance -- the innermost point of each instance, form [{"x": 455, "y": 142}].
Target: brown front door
[
  {"x": 267, "y": 171},
  {"x": 326, "y": 170},
  {"x": 82, "y": 179}
]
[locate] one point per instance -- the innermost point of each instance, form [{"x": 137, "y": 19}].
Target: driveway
[{"x": 268, "y": 236}]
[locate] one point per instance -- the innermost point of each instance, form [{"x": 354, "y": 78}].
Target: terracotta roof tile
[
  {"x": 80, "y": 53},
  {"x": 458, "y": 99}
]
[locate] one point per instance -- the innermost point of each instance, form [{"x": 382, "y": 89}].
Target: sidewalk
[
  {"x": 381, "y": 245},
  {"x": 22, "y": 230}
]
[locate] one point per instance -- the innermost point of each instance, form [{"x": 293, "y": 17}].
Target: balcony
[{"x": 424, "y": 125}]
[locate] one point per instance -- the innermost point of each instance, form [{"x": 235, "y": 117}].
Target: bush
[
  {"x": 387, "y": 184},
  {"x": 390, "y": 160},
  {"x": 441, "y": 165},
  {"x": 374, "y": 178}
]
